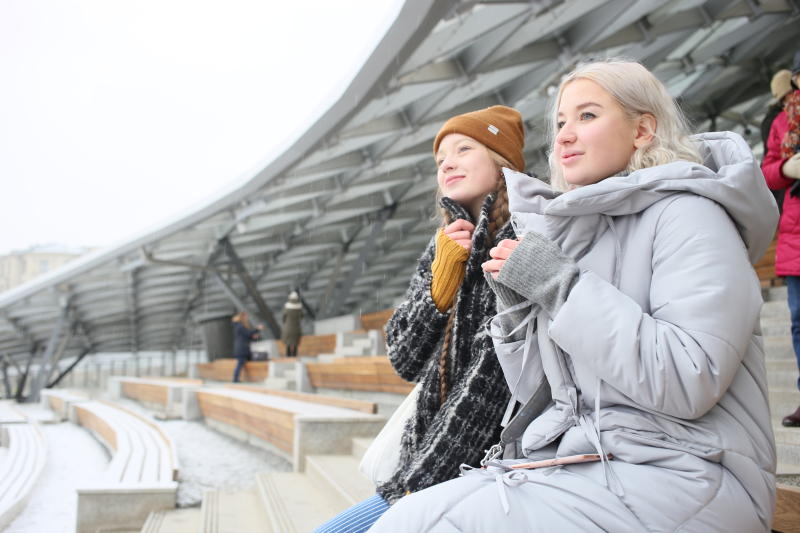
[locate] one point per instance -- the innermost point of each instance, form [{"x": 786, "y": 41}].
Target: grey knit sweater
[{"x": 442, "y": 437}]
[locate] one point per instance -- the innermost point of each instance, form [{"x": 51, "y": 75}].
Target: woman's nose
[
  {"x": 565, "y": 135},
  {"x": 447, "y": 164}
]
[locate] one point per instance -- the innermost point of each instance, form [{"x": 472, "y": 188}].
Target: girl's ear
[{"x": 645, "y": 130}]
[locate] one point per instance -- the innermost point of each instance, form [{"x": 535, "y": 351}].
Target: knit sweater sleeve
[
  {"x": 460, "y": 432},
  {"x": 416, "y": 328}
]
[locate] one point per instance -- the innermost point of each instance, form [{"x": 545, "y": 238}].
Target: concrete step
[
  {"x": 173, "y": 521},
  {"x": 360, "y": 446},
  {"x": 353, "y": 351},
  {"x": 775, "y": 294},
  {"x": 782, "y": 401},
  {"x": 781, "y": 374},
  {"x": 787, "y": 469},
  {"x": 775, "y": 309},
  {"x": 787, "y": 444},
  {"x": 340, "y": 474},
  {"x": 779, "y": 348},
  {"x": 233, "y": 511},
  {"x": 281, "y": 383},
  {"x": 295, "y": 503},
  {"x": 776, "y": 327}
]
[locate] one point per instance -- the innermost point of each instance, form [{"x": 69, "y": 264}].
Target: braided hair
[{"x": 498, "y": 216}]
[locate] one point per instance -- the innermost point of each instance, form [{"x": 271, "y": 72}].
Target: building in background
[{"x": 20, "y": 266}]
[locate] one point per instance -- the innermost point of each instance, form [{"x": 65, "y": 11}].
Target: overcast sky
[{"x": 118, "y": 115}]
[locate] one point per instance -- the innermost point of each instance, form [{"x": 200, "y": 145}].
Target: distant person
[
  {"x": 243, "y": 334},
  {"x": 291, "y": 330},
  {"x": 437, "y": 336},
  {"x": 781, "y": 167},
  {"x": 781, "y": 88}
]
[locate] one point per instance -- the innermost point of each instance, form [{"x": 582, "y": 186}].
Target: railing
[{"x": 94, "y": 373}]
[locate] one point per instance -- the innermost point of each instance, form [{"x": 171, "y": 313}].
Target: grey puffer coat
[{"x": 655, "y": 357}]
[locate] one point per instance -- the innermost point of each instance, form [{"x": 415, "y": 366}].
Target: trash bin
[{"x": 217, "y": 334}]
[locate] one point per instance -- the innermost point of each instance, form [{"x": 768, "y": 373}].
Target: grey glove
[
  {"x": 539, "y": 271},
  {"x": 506, "y": 298}
]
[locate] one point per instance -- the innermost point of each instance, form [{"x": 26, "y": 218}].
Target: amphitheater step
[
  {"x": 224, "y": 512},
  {"x": 781, "y": 374},
  {"x": 340, "y": 473},
  {"x": 173, "y": 521},
  {"x": 779, "y": 348},
  {"x": 360, "y": 446},
  {"x": 295, "y": 503},
  {"x": 281, "y": 383},
  {"x": 783, "y": 401},
  {"x": 775, "y": 309},
  {"x": 776, "y": 327},
  {"x": 773, "y": 294}
]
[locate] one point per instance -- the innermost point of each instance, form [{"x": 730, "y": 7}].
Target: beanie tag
[{"x": 494, "y": 130}]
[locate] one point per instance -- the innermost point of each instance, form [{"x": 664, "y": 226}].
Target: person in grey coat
[
  {"x": 629, "y": 331},
  {"x": 291, "y": 330}
]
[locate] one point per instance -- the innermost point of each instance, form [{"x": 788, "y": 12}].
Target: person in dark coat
[
  {"x": 291, "y": 329},
  {"x": 437, "y": 336},
  {"x": 781, "y": 168},
  {"x": 243, "y": 333}
]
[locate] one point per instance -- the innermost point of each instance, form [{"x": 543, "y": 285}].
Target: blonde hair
[
  {"x": 242, "y": 318},
  {"x": 638, "y": 92}
]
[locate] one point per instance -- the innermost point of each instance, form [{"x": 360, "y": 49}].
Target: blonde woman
[
  {"x": 437, "y": 335},
  {"x": 243, "y": 333},
  {"x": 634, "y": 335}
]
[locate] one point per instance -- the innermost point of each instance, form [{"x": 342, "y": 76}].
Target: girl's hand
[
  {"x": 498, "y": 255},
  {"x": 461, "y": 232}
]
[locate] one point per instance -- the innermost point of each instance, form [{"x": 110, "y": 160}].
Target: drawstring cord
[{"x": 529, "y": 322}]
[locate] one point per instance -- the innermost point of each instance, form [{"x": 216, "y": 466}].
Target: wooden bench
[
  {"x": 358, "y": 373},
  {"x": 222, "y": 370},
  {"x": 765, "y": 267},
  {"x": 311, "y": 345},
  {"x": 141, "y": 476},
  {"x": 284, "y": 425},
  {"x": 23, "y": 453},
  {"x": 376, "y": 320},
  {"x": 787, "y": 510},
  {"x": 60, "y": 401},
  {"x": 346, "y": 403},
  {"x": 167, "y": 397}
]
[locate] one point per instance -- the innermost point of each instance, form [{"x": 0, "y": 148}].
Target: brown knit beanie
[
  {"x": 498, "y": 128},
  {"x": 781, "y": 84}
]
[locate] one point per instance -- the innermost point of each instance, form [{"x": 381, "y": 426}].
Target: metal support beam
[
  {"x": 252, "y": 288},
  {"x": 50, "y": 351},
  {"x": 23, "y": 378},
  {"x": 6, "y": 382},
  {"x": 232, "y": 295},
  {"x": 133, "y": 309},
  {"x": 377, "y": 226},
  {"x": 67, "y": 370}
]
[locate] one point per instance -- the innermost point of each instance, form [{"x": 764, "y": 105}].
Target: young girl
[
  {"x": 437, "y": 335},
  {"x": 636, "y": 311}
]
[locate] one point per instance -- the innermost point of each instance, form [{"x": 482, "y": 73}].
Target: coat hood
[{"x": 730, "y": 176}]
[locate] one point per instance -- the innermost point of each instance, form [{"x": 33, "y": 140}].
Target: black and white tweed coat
[{"x": 442, "y": 437}]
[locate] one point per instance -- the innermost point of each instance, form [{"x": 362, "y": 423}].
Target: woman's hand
[
  {"x": 461, "y": 232},
  {"x": 498, "y": 255}
]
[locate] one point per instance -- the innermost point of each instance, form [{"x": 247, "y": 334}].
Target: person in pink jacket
[{"x": 781, "y": 167}]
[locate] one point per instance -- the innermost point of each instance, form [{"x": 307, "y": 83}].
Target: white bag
[{"x": 381, "y": 458}]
